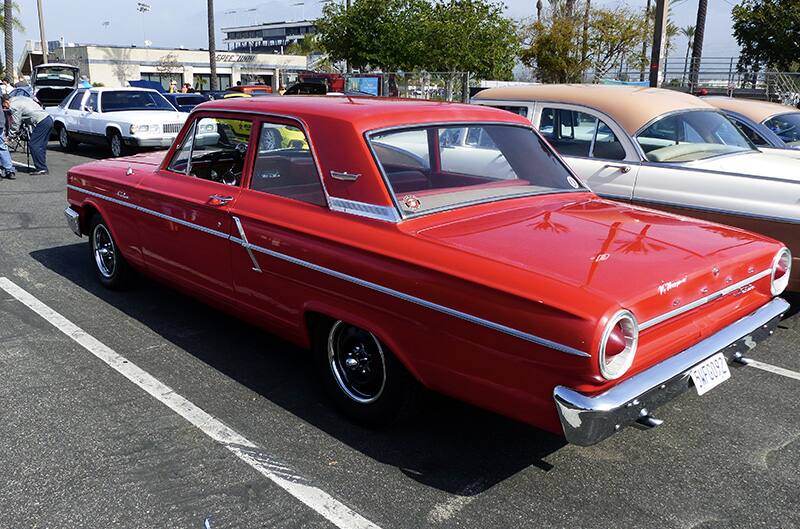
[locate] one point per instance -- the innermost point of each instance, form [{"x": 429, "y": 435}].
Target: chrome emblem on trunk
[{"x": 670, "y": 285}]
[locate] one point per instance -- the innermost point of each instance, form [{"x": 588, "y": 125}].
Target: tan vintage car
[
  {"x": 772, "y": 127},
  {"x": 667, "y": 150}
]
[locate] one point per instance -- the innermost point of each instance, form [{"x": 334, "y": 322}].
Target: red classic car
[{"x": 438, "y": 244}]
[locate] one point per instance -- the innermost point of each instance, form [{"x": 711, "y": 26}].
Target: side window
[
  {"x": 751, "y": 134},
  {"x": 180, "y": 160},
  {"x": 92, "y": 101},
  {"x": 284, "y": 165},
  {"x": 75, "y": 104},
  {"x": 606, "y": 144},
  {"x": 521, "y": 111},
  {"x": 220, "y": 149}
]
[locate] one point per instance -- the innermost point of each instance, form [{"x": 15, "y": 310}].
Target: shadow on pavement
[{"x": 450, "y": 446}]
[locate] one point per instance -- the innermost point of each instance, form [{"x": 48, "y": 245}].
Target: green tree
[
  {"x": 468, "y": 35},
  {"x": 613, "y": 35},
  {"x": 552, "y": 53},
  {"x": 768, "y": 31}
]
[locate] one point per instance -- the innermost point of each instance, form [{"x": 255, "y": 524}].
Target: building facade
[
  {"x": 272, "y": 37},
  {"x": 116, "y": 65}
]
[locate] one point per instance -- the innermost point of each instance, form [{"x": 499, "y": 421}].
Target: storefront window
[
  {"x": 163, "y": 78},
  {"x": 202, "y": 81}
]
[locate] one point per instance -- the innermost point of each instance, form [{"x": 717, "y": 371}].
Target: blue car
[{"x": 185, "y": 102}]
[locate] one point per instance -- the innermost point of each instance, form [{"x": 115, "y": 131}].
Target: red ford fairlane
[{"x": 443, "y": 245}]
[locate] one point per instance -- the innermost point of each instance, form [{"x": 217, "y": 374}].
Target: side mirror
[{"x": 87, "y": 108}]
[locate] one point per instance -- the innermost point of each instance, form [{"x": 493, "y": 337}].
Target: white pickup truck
[{"x": 120, "y": 118}]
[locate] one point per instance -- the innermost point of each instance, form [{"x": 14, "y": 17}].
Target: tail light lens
[
  {"x": 781, "y": 270},
  {"x": 618, "y": 345}
]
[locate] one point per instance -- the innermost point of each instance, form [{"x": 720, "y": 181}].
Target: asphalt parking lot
[{"x": 81, "y": 445}]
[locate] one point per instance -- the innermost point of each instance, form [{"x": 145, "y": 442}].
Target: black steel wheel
[
  {"x": 110, "y": 266},
  {"x": 362, "y": 376}
]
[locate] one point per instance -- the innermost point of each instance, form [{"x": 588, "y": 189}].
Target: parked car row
[{"x": 450, "y": 246}]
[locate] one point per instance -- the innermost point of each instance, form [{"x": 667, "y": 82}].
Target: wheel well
[
  {"x": 315, "y": 320},
  {"x": 88, "y": 211},
  {"x": 110, "y": 130},
  {"x": 58, "y": 126}
]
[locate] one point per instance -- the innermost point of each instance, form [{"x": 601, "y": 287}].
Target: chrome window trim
[
  {"x": 529, "y": 126},
  {"x": 351, "y": 279},
  {"x": 683, "y": 166},
  {"x": 706, "y": 299},
  {"x": 364, "y": 209},
  {"x": 721, "y": 211}
]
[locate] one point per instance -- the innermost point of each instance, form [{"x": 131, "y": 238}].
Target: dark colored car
[{"x": 185, "y": 102}]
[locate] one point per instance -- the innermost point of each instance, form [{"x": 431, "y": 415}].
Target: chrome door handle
[
  {"x": 622, "y": 168},
  {"x": 123, "y": 195},
  {"x": 218, "y": 200}
]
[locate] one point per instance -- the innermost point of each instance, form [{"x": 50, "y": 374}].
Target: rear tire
[
  {"x": 361, "y": 375},
  {"x": 64, "y": 138},
  {"x": 115, "y": 144},
  {"x": 109, "y": 265}
]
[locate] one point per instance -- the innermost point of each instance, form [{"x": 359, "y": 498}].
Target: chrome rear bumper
[
  {"x": 587, "y": 420},
  {"x": 73, "y": 220}
]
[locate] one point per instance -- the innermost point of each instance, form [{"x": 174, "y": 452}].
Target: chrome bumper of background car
[
  {"x": 150, "y": 142},
  {"x": 73, "y": 220},
  {"x": 587, "y": 420}
]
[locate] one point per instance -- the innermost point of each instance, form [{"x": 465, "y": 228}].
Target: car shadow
[{"x": 449, "y": 445}]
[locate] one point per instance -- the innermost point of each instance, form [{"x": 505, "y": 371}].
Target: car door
[
  {"x": 281, "y": 206},
  {"x": 72, "y": 113},
  {"x": 187, "y": 231},
  {"x": 594, "y": 147},
  {"x": 93, "y": 119}
]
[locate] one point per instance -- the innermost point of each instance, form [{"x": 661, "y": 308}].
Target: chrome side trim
[
  {"x": 151, "y": 212},
  {"x": 757, "y": 216},
  {"x": 588, "y": 419},
  {"x": 246, "y": 244},
  {"x": 364, "y": 209},
  {"x": 360, "y": 282},
  {"x": 417, "y": 301},
  {"x": 706, "y": 299}
]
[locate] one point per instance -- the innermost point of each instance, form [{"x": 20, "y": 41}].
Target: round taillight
[
  {"x": 781, "y": 270},
  {"x": 618, "y": 345}
]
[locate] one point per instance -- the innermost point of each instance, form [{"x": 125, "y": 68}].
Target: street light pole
[
  {"x": 658, "y": 41},
  {"x": 45, "y": 51},
  {"x": 212, "y": 46}
]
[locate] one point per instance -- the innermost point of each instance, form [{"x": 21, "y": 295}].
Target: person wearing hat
[
  {"x": 26, "y": 110},
  {"x": 173, "y": 86}
]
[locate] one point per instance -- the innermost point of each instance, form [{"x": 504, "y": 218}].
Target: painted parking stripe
[
  {"x": 774, "y": 369},
  {"x": 331, "y": 509}
]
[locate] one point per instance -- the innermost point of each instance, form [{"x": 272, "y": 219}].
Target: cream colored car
[{"x": 664, "y": 149}]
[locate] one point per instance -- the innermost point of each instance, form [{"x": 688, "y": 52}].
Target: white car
[
  {"x": 120, "y": 118},
  {"x": 667, "y": 150}
]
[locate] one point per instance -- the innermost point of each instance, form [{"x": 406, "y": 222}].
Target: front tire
[
  {"x": 115, "y": 144},
  {"x": 109, "y": 265},
  {"x": 64, "y": 139},
  {"x": 362, "y": 376}
]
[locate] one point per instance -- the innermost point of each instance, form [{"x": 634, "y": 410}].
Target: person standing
[{"x": 26, "y": 110}]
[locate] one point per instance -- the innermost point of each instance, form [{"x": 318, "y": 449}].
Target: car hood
[
  {"x": 146, "y": 117},
  {"x": 146, "y": 158},
  {"x": 642, "y": 260},
  {"x": 753, "y": 163}
]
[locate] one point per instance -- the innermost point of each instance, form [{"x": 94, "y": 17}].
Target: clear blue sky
[{"x": 173, "y": 23}]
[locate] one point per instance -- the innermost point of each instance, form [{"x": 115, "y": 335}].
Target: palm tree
[
  {"x": 9, "y": 23},
  {"x": 687, "y": 32},
  {"x": 212, "y": 46},
  {"x": 697, "y": 47}
]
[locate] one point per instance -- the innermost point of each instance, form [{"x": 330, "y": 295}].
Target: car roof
[
  {"x": 758, "y": 111},
  {"x": 365, "y": 113},
  {"x": 119, "y": 89},
  {"x": 631, "y": 107}
]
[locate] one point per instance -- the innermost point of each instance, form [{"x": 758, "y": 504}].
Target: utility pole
[
  {"x": 348, "y": 66},
  {"x": 45, "y": 51},
  {"x": 659, "y": 32},
  {"x": 212, "y": 46},
  {"x": 697, "y": 47},
  {"x": 8, "y": 13}
]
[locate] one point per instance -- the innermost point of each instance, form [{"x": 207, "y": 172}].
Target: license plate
[{"x": 710, "y": 373}]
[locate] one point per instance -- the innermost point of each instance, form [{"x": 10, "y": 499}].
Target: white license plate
[{"x": 710, "y": 374}]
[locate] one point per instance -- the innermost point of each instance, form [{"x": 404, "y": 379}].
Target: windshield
[
  {"x": 119, "y": 100},
  {"x": 55, "y": 77},
  {"x": 443, "y": 167},
  {"x": 787, "y": 126},
  {"x": 190, "y": 100},
  {"x": 692, "y": 135}
]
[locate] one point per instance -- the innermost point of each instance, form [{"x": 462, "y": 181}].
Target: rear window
[{"x": 437, "y": 168}]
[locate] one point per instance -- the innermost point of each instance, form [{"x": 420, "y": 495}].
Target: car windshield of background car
[
  {"x": 122, "y": 100},
  {"x": 787, "y": 127},
  {"x": 437, "y": 168},
  {"x": 692, "y": 135}
]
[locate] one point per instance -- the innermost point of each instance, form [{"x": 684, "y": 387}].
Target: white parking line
[
  {"x": 331, "y": 509},
  {"x": 774, "y": 369}
]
